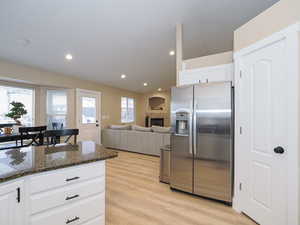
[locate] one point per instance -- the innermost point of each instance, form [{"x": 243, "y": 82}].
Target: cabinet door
[
  {"x": 11, "y": 207},
  {"x": 221, "y": 73},
  {"x": 191, "y": 77}
]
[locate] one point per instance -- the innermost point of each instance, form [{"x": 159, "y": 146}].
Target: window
[
  {"x": 23, "y": 95},
  {"x": 88, "y": 110},
  {"x": 56, "y": 109},
  {"x": 127, "y": 107}
]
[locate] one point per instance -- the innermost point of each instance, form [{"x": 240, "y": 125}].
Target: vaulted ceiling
[{"x": 108, "y": 38}]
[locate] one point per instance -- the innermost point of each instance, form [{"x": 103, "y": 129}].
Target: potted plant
[{"x": 16, "y": 112}]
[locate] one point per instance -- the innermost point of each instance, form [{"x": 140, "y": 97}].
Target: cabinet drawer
[
  {"x": 67, "y": 176},
  {"x": 65, "y": 195},
  {"x": 72, "y": 214},
  {"x": 100, "y": 220}
]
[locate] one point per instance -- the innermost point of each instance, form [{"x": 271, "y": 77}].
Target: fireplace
[{"x": 157, "y": 122}]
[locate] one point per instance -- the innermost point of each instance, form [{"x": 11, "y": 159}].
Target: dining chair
[
  {"x": 52, "y": 136},
  {"x": 35, "y": 134},
  {"x": 57, "y": 126}
]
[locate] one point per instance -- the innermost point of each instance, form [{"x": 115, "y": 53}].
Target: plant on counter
[{"x": 17, "y": 111}]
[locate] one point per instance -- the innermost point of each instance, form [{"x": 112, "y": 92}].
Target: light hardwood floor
[{"x": 136, "y": 197}]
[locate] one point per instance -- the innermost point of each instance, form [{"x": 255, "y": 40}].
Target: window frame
[
  {"x": 134, "y": 109},
  {"x": 24, "y": 86},
  {"x": 81, "y": 103},
  {"x": 55, "y": 114}
]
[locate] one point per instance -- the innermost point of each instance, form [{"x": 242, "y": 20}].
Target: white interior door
[
  {"x": 88, "y": 115},
  {"x": 11, "y": 210},
  {"x": 264, "y": 134}
]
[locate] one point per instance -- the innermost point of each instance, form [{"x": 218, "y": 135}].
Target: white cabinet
[
  {"x": 75, "y": 213},
  {"x": 221, "y": 73},
  {"x": 73, "y": 195},
  {"x": 60, "y": 178},
  {"x": 63, "y": 196},
  {"x": 11, "y": 204}
]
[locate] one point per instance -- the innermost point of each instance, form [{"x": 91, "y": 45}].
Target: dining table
[{"x": 16, "y": 137}]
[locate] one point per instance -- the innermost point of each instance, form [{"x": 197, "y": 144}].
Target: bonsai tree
[{"x": 17, "y": 111}]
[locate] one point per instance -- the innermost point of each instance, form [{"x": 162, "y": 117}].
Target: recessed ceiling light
[
  {"x": 145, "y": 84},
  {"x": 172, "y": 52},
  {"x": 123, "y": 76},
  {"x": 159, "y": 89},
  {"x": 69, "y": 57}
]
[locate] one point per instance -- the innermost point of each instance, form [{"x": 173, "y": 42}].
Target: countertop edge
[{"x": 27, "y": 173}]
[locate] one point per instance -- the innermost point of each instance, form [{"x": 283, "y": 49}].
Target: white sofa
[{"x": 135, "y": 141}]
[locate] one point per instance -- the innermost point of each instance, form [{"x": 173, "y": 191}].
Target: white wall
[
  {"x": 111, "y": 97},
  {"x": 274, "y": 19},
  {"x": 210, "y": 60}
]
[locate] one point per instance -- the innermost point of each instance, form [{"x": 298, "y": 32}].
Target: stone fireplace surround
[{"x": 157, "y": 106}]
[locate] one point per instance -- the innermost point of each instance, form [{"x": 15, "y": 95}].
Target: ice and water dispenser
[{"x": 182, "y": 123}]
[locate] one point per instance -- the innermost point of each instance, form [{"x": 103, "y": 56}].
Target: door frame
[
  {"x": 78, "y": 90},
  {"x": 291, "y": 35}
]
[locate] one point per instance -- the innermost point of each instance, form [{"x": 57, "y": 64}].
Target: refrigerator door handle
[
  {"x": 191, "y": 134},
  {"x": 195, "y": 128}
]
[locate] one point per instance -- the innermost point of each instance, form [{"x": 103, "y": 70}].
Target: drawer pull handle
[
  {"x": 73, "y": 178},
  {"x": 71, "y": 197},
  {"x": 72, "y": 220},
  {"x": 18, "y": 195}
]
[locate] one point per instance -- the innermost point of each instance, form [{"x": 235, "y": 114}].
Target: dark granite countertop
[{"x": 15, "y": 163}]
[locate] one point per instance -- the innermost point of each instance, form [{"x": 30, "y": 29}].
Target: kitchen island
[{"x": 57, "y": 185}]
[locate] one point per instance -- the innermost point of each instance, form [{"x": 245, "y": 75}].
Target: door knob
[
  {"x": 279, "y": 150},
  {"x": 97, "y": 125}
]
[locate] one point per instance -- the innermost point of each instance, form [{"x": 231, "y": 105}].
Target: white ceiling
[{"x": 110, "y": 37}]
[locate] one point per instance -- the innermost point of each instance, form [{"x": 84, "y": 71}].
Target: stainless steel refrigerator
[{"x": 202, "y": 140}]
